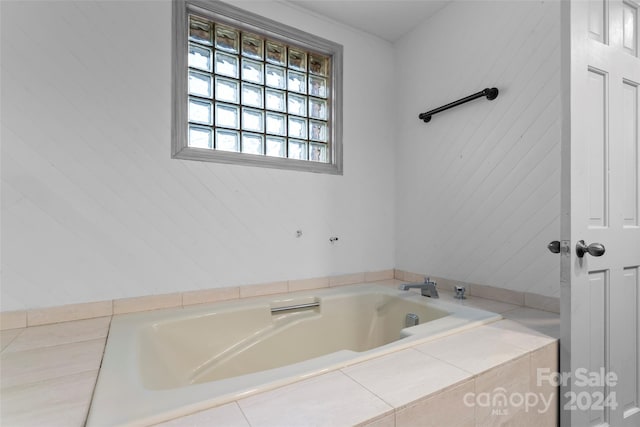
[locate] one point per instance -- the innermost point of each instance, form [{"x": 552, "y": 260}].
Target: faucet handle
[{"x": 427, "y": 280}]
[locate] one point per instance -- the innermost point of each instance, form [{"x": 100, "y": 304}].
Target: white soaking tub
[{"x": 167, "y": 363}]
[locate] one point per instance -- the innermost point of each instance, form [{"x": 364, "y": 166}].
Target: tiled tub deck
[{"x": 48, "y": 374}]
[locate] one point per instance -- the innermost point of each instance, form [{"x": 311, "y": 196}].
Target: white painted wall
[
  {"x": 93, "y": 208},
  {"x": 478, "y": 188}
]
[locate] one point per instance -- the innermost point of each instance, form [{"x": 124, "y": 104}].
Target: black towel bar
[{"x": 490, "y": 93}]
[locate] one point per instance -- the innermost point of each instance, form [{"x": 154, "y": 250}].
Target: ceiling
[{"x": 387, "y": 19}]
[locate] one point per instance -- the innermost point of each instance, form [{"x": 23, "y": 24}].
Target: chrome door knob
[
  {"x": 554, "y": 247},
  {"x": 594, "y": 249}
]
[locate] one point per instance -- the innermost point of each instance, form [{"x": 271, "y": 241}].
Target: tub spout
[{"x": 427, "y": 289}]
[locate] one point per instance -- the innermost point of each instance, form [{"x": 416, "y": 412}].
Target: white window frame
[{"x": 226, "y": 14}]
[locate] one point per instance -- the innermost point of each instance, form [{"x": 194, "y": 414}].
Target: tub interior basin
[
  {"x": 241, "y": 340},
  {"x": 164, "y": 364}
]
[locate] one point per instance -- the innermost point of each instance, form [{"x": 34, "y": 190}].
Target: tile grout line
[
  {"x": 237, "y": 403},
  {"x": 377, "y": 418},
  {"x": 93, "y": 390},
  {"x": 445, "y": 361},
  {"x": 526, "y": 353},
  {"x": 472, "y": 378},
  {"x": 60, "y": 343},
  {"x": 43, "y": 381},
  {"x": 49, "y": 347},
  {"x": 367, "y": 389},
  {"x": 12, "y": 340},
  {"x": 54, "y": 346}
]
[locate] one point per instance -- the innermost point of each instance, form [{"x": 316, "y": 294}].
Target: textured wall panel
[
  {"x": 93, "y": 207},
  {"x": 478, "y": 188}
]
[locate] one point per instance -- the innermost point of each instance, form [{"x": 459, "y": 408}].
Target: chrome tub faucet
[{"x": 427, "y": 289}]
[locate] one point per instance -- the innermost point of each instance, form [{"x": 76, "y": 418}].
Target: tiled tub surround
[
  {"x": 160, "y": 365},
  {"x": 48, "y": 373},
  {"x": 50, "y": 315},
  {"x": 55, "y": 387}
]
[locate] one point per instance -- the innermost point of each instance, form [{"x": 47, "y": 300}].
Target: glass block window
[
  {"x": 246, "y": 89},
  {"x": 254, "y": 91}
]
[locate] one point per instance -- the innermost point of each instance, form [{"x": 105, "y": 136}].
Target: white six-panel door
[{"x": 600, "y": 331}]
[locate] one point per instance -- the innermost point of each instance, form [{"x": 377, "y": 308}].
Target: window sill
[{"x": 243, "y": 159}]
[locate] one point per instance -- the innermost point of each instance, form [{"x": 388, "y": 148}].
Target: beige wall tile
[
  {"x": 515, "y": 419},
  {"x": 446, "y": 408},
  {"x": 534, "y": 419},
  {"x": 498, "y": 294},
  {"x": 6, "y": 337},
  {"x": 210, "y": 295},
  {"x": 151, "y": 302},
  {"x": 398, "y": 274},
  {"x": 507, "y": 380},
  {"x": 388, "y": 420},
  {"x": 544, "y": 322},
  {"x": 13, "y": 319},
  {"x": 225, "y": 415},
  {"x": 482, "y": 351},
  {"x": 346, "y": 279},
  {"x": 544, "y": 360},
  {"x": 542, "y": 302},
  {"x": 406, "y": 376},
  {"x": 41, "y": 364},
  {"x": 390, "y": 283},
  {"x": 516, "y": 334},
  {"x": 306, "y": 284},
  {"x": 447, "y": 284},
  {"x": 374, "y": 276},
  {"x": 60, "y": 401},
  {"x": 69, "y": 312},
  {"x": 489, "y": 304},
  {"x": 331, "y": 399},
  {"x": 260, "y": 289},
  {"x": 414, "y": 277},
  {"x": 446, "y": 294},
  {"x": 61, "y": 333}
]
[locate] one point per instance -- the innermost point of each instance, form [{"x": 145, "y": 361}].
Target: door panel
[
  {"x": 597, "y": 21},
  {"x": 627, "y": 305},
  {"x": 596, "y": 143},
  {"x": 600, "y": 311},
  {"x": 598, "y": 287},
  {"x": 630, "y": 28},
  {"x": 629, "y": 144}
]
